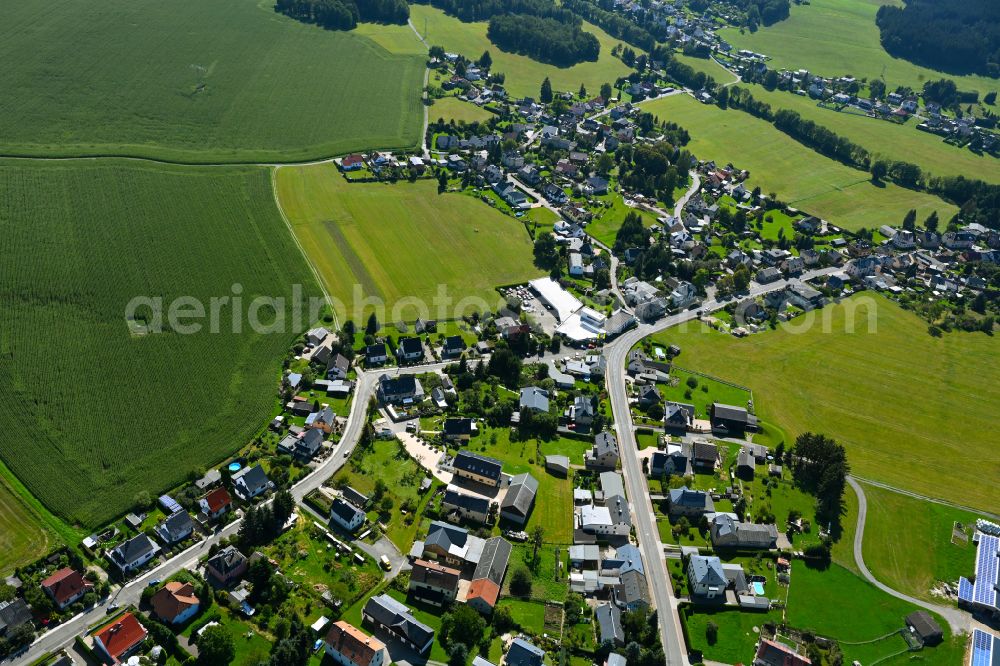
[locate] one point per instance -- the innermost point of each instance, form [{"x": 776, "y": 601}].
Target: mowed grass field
[
  {"x": 198, "y": 81},
  {"x": 837, "y": 38},
  {"x": 889, "y": 140},
  {"x": 914, "y": 559},
  {"x": 91, "y": 413},
  {"x": 451, "y": 108},
  {"x": 899, "y": 400},
  {"x": 401, "y": 241},
  {"x": 524, "y": 75},
  {"x": 23, "y": 537},
  {"x": 798, "y": 175}
]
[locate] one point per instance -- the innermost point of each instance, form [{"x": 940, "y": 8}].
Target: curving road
[{"x": 958, "y": 620}]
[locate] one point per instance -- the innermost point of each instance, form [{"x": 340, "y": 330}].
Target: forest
[
  {"x": 345, "y": 14},
  {"x": 956, "y": 36},
  {"x": 544, "y": 39}
]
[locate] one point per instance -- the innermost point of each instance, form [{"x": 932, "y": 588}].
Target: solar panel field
[
  {"x": 196, "y": 81},
  {"x": 90, "y": 412}
]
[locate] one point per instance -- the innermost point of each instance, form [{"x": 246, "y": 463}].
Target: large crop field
[
  {"x": 798, "y": 175},
  {"x": 914, "y": 559},
  {"x": 524, "y": 75},
  {"x": 900, "y": 400},
  {"x": 401, "y": 241},
  {"x": 201, "y": 81},
  {"x": 887, "y": 139},
  {"x": 93, "y": 410},
  {"x": 837, "y": 38}
]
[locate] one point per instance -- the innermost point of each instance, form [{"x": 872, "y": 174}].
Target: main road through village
[{"x": 639, "y": 502}]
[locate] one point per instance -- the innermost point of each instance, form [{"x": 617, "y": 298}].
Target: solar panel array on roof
[
  {"x": 985, "y": 649},
  {"x": 964, "y": 589},
  {"x": 987, "y": 564},
  {"x": 169, "y": 504}
]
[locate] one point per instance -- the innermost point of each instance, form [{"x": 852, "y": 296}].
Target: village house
[
  {"x": 349, "y": 646},
  {"x": 688, "y": 502},
  {"x": 728, "y": 532},
  {"x": 401, "y": 390},
  {"x": 226, "y": 566},
  {"x": 216, "y": 503},
  {"x": 604, "y": 454},
  {"x": 393, "y": 618},
  {"x": 175, "y": 528},
  {"x": 175, "y": 602},
  {"x": 481, "y": 469},
  {"x": 133, "y": 554},
  {"x": 433, "y": 583},
  {"x": 251, "y": 482},
  {"x": 347, "y": 516},
  {"x": 520, "y": 499},
  {"x": 116, "y": 641},
  {"x": 458, "y": 430},
  {"x": 462, "y": 505},
  {"x": 731, "y": 421},
  {"x": 706, "y": 577},
  {"x": 66, "y": 586},
  {"x": 376, "y": 354}
]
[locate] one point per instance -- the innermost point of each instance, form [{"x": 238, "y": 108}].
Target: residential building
[
  {"x": 453, "y": 346},
  {"x": 604, "y": 454},
  {"x": 251, "y": 482},
  {"x": 609, "y": 623},
  {"x": 433, "y": 583},
  {"x": 132, "y": 554},
  {"x": 304, "y": 447},
  {"x": 216, "y": 503},
  {"x": 347, "y": 645},
  {"x": 675, "y": 460},
  {"x": 730, "y": 420},
  {"x": 705, "y": 455},
  {"x": 745, "y": 465},
  {"x": 116, "y": 641},
  {"x": 520, "y": 499},
  {"x": 705, "y": 576},
  {"x": 772, "y": 653},
  {"x": 462, "y": 505},
  {"x": 175, "y": 602},
  {"x": 347, "y": 516},
  {"x": 458, "y": 429},
  {"x": 535, "y": 399},
  {"x": 523, "y": 653},
  {"x": 688, "y": 502},
  {"x": 481, "y": 469},
  {"x": 66, "y": 587},
  {"x": 728, "y": 532},
  {"x": 226, "y": 566},
  {"x": 376, "y": 354},
  {"x": 401, "y": 390},
  {"x": 177, "y": 527},
  {"x": 410, "y": 350},
  {"x": 394, "y": 618},
  {"x": 678, "y": 417},
  {"x": 633, "y": 592},
  {"x": 558, "y": 465},
  {"x": 14, "y": 614}
]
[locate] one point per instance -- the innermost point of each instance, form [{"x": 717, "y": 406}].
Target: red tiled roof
[
  {"x": 353, "y": 643},
  {"x": 173, "y": 599},
  {"x": 353, "y": 159},
  {"x": 217, "y": 499},
  {"x": 65, "y": 584},
  {"x": 485, "y": 589},
  {"x": 121, "y": 635}
]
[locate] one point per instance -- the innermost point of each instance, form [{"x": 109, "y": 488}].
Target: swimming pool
[{"x": 758, "y": 588}]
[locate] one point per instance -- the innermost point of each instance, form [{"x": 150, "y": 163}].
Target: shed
[{"x": 924, "y": 626}]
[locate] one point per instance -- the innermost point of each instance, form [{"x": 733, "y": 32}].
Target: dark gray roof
[
  {"x": 344, "y": 510},
  {"x": 686, "y": 497},
  {"x": 605, "y": 443},
  {"x": 446, "y": 535},
  {"x": 227, "y": 559},
  {"x": 924, "y": 624},
  {"x": 523, "y": 653},
  {"x": 125, "y": 554},
  {"x": 410, "y": 345},
  {"x": 13, "y": 614},
  {"x": 354, "y": 497},
  {"x": 520, "y": 495},
  {"x": 252, "y": 477},
  {"x": 454, "y": 497},
  {"x": 177, "y": 526},
  {"x": 609, "y": 620},
  {"x": 729, "y": 412},
  {"x": 477, "y": 464},
  {"x": 458, "y": 426},
  {"x": 707, "y": 570},
  {"x": 493, "y": 561},
  {"x": 377, "y": 349},
  {"x": 395, "y": 615},
  {"x": 633, "y": 588}
]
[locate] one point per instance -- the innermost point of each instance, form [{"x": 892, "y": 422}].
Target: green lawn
[
  {"x": 401, "y": 474},
  {"x": 524, "y": 75},
  {"x": 398, "y": 244},
  {"x": 913, "y": 559},
  {"x": 708, "y": 66},
  {"x": 888, "y": 139},
  {"x": 699, "y": 397},
  {"x": 837, "y": 38},
  {"x": 202, "y": 82},
  {"x": 606, "y": 223},
  {"x": 843, "y": 549},
  {"x": 564, "y": 446},
  {"x": 736, "y": 636},
  {"x": 546, "y": 584},
  {"x": 530, "y": 615},
  {"x": 798, "y": 175},
  {"x": 872, "y": 613},
  {"x": 81, "y": 241},
  {"x": 900, "y": 400},
  {"x": 451, "y": 108}
]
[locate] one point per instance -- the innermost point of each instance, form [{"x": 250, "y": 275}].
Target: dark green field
[
  {"x": 201, "y": 81},
  {"x": 91, "y": 413}
]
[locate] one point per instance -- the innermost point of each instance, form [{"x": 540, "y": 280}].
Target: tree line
[
  {"x": 345, "y": 14},
  {"x": 544, "y": 39},
  {"x": 616, "y": 25},
  {"x": 960, "y": 36},
  {"x": 483, "y": 10}
]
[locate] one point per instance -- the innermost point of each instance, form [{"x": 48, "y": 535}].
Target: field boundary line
[
  {"x": 925, "y": 498},
  {"x": 302, "y": 250}
]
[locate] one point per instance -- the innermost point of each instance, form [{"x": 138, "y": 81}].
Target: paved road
[{"x": 958, "y": 620}]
